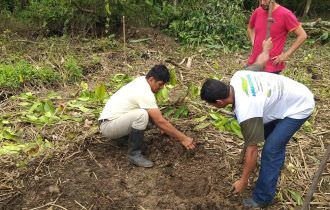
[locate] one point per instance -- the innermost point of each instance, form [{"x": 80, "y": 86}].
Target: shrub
[
  {"x": 22, "y": 73},
  {"x": 73, "y": 72},
  {"x": 216, "y": 24}
]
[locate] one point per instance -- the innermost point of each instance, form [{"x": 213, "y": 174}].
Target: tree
[{"x": 307, "y": 7}]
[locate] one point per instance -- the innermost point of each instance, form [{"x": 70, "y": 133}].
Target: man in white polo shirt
[
  {"x": 270, "y": 108},
  {"x": 128, "y": 111}
]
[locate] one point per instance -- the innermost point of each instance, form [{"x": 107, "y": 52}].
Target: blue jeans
[{"x": 277, "y": 135}]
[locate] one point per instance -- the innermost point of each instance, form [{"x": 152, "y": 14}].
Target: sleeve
[
  {"x": 147, "y": 101},
  {"x": 253, "y": 19},
  {"x": 291, "y": 21},
  {"x": 253, "y": 131}
]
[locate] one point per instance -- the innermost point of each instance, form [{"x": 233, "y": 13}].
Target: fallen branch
[
  {"x": 317, "y": 175},
  {"x": 317, "y": 23}
]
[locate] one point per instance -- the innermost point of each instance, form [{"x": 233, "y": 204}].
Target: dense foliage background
[{"x": 218, "y": 24}]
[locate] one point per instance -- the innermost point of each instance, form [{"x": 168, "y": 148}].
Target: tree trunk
[
  {"x": 307, "y": 6},
  {"x": 24, "y": 3},
  {"x": 317, "y": 24}
]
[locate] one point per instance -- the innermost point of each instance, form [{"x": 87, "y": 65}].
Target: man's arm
[
  {"x": 251, "y": 155},
  {"x": 301, "y": 37},
  {"x": 169, "y": 129},
  {"x": 253, "y": 133},
  {"x": 251, "y": 34},
  {"x": 263, "y": 57}
]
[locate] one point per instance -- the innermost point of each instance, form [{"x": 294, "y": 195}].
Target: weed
[
  {"x": 22, "y": 73},
  {"x": 73, "y": 72}
]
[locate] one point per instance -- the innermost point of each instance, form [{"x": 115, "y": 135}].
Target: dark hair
[
  {"x": 213, "y": 90},
  {"x": 160, "y": 73}
]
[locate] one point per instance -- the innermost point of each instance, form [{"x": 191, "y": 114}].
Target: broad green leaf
[
  {"x": 235, "y": 128},
  {"x": 162, "y": 95},
  {"x": 202, "y": 126},
  {"x": 215, "y": 115},
  {"x": 200, "y": 119},
  {"x": 34, "y": 106},
  {"x": 84, "y": 109},
  {"x": 296, "y": 197},
  {"x": 9, "y": 149},
  {"x": 4, "y": 122},
  {"x": 49, "y": 107},
  {"x": 33, "y": 118},
  {"x": 84, "y": 98},
  {"x": 193, "y": 91},
  {"x": 24, "y": 104},
  {"x": 173, "y": 79},
  {"x": 100, "y": 92},
  {"x": 169, "y": 112},
  {"x": 107, "y": 8},
  {"x": 8, "y": 134}
]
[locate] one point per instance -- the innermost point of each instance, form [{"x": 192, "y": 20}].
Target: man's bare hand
[
  {"x": 280, "y": 58},
  {"x": 188, "y": 143},
  {"x": 240, "y": 185}
]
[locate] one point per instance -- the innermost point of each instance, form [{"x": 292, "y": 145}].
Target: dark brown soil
[{"x": 100, "y": 177}]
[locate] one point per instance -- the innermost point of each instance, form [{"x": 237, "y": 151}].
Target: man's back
[
  {"x": 135, "y": 95},
  {"x": 271, "y": 96}
]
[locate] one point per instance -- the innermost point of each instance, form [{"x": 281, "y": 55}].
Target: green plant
[
  {"x": 219, "y": 25},
  {"x": 177, "y": 112},
  {"x": 162, "y": 96},
  {"x": 99, "y": 94},
  {"x": 296, "y": 196},
  {"x": 22, "y": 73},
  {"x": 225, "y": 124},
  {"x": 73, "y": 72},
  {"x": 7, "y": 133},
  {"x": 119, "y": 80}
]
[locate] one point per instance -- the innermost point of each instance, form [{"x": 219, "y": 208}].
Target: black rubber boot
[{"x": 135, "y": 156}]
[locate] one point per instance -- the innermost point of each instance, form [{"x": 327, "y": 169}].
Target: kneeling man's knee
[{"x": 142, "y": 119}]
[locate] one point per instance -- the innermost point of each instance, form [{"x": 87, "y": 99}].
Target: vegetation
[{"x": 194, "y": 22}]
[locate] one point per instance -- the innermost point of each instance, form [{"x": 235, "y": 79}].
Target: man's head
[
  {"x": 216, "y": 93},
  {"x": 265, "y": 3},
  {"x": 157, "y": 77}
]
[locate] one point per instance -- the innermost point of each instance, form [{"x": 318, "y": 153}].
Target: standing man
[
  {"x": 270, "y": 108},
  {"x": 128, "y": 111},
  {"x": 284, "y": 21}
]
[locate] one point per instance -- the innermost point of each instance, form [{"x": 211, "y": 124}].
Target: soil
[{"x": 100, "y": 177}]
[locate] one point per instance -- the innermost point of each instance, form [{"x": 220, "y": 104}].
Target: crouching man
[
  {"x": 270, "y": 108},
  {"x": 129, "y": 110}
]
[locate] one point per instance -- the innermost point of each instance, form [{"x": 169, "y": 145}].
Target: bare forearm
[
  {"x": 170, "y": 130},
  {"x": 251, "y": 155},
  {"x": 262, "y": 59},
  {"x": 299, "y": 41}
]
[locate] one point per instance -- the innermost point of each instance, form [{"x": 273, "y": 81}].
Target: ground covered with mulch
[{"x": 86, "y": 171}]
